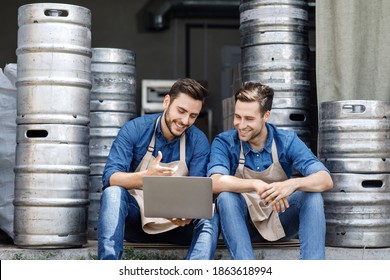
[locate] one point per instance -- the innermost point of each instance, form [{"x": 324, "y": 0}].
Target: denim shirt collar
[{"x": 268, "y": 145}]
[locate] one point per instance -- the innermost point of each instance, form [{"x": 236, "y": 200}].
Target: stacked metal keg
[
  {"x": 274, "y": 51},
  {"x": 113, "y": 102},
  {"x": 52, "y": 151},
  {"x": 354, "y": 144}
]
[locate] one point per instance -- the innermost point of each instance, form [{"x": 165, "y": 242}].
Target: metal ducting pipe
[{"x": 157, "y": 13}]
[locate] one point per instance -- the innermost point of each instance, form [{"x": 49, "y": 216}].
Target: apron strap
[
  {"x": 150, "y": 150},
  {"x": 241, "y": 160},
  {"x": 153, "y": 141},
  {"x": 183, "y": 147},
  {"x": 274, "y": 152}
]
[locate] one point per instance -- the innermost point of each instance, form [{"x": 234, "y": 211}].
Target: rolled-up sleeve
[
  {"x": 197, "y": 164},
  {"x": 222, "y": 155},
  {"x": 315, "y": 167},
  {"x": 303, "y": 158},
  {"x": 121, "y": 153}
]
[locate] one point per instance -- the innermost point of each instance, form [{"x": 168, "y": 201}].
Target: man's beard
[{"x": 169, "y": 124}]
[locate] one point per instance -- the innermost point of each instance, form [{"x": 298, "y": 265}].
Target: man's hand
[
  {"x": 180, "y": 222},
  {"x": 276, "y": 194},
  {"x": 155, "y": 169},
  {"x": 280, "y": 205}
]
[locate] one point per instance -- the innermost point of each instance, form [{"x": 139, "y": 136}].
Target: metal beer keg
[
  {"x": 274, "y": 51},
  {"x": 354, "y": 136},
  {"x": 357, "y": 210},
  {"x": 274, "y": 48},
  {"x": 54, "y": 64},
  {"x": 113, "y": 103},
  {"x": 52, "y": 149},
  {"x": 51, "y": 185}
]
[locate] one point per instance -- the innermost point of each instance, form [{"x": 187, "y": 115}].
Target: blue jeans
[
  {"x": 305, "y": 217},
  {"x": 120, "y": 219}
]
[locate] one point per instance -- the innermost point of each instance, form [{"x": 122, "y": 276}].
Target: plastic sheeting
[
  {"x": 352, "y": 50},
  {"x": 7, "y": 147}
]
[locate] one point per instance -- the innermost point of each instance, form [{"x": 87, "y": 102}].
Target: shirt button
[{"x": 257, "y": 168}]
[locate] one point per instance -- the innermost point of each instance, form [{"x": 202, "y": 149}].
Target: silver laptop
[{"x": 178, "y": 197}]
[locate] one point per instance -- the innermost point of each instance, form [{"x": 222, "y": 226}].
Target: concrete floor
[{"x": 278, "y": 251}]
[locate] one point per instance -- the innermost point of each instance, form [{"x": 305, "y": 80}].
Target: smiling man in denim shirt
[
  {"x": 163, "y": 144},
  {"x": 251, "y": 168}
]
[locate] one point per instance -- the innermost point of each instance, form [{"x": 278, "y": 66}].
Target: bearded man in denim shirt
[
  {"x": 163, "y": 144},
  {"x": 259, "y": 199}
]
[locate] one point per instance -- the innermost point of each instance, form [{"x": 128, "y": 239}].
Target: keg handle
[
  {"x": 297, "y": 117},
  {"x": 37, "y": 133},
  {"x": 56, "y": 13},
  {"x": 354, "y": 108},
  {"x": 372, "y": 184}
]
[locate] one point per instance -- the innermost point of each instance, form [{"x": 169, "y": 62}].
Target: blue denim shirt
[
  {"x": 292, "y": 152},
  {"x": 132, "y": 141}
]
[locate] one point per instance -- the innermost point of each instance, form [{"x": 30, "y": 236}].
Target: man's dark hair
[
  {"x": 256, "y": 92},
  {"x": 189, "y": 87}
]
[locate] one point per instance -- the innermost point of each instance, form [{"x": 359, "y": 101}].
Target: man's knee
[
  {"x": 315, "y": 198},
  {"x": 112, "y": 194},
  {"x": 226, "y": 198},
  {"x": 311, "y": 200},
  {"x": 230, "y": 201}
]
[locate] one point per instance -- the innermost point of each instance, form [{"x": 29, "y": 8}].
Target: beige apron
[
  {"x": 263, "y": 217},
  {"x": 158, "y": 225}
]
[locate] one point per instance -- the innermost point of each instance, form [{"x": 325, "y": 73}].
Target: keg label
[{"x": 272, "y": 12}]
